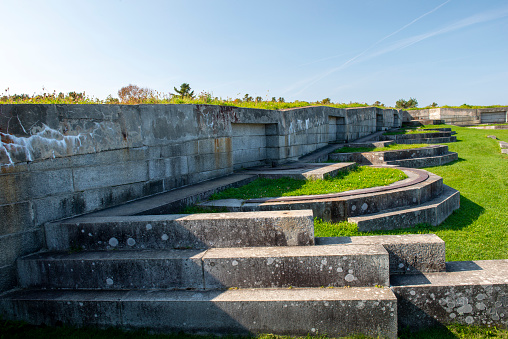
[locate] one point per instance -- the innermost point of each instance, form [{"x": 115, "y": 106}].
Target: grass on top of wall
[
  {"x": 479, "y": 229},
  {"x": 359, "y": 177},
  {"x": 392, "y": 147}
]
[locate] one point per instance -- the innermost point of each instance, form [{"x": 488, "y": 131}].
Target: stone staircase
[
  {"x": 248, "y": 273},
  {"x": 235, "y": 273}
]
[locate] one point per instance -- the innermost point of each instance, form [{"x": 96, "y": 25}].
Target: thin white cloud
[
  {"x": 344, "y": 65},
  {"x": 402, "y": 44}
]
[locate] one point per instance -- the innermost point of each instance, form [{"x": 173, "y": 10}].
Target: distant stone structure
[{"x": 459, "y": 116}]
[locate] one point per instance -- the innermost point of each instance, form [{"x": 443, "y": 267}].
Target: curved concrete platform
[
  {"x": 434, "y": 155},
  {"x": 420, "y": 188}
]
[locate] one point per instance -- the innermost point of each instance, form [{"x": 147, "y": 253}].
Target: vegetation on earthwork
[
  {"x": 479, "y": 229},
  {"x": 357, "y": 178},
  {"x": 402, "y": 103},
  {"x": 21, "y": 330},
  {"x": 135, "y": 95},
  {"x": 392, "y": 147}
]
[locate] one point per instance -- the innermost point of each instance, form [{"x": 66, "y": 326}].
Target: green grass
[
  {"x": 479, "y": 229},
  {"x": 20, "y": 330},
  {"x": 392, "y": 147},
  {"x": 360, "y": 177}
]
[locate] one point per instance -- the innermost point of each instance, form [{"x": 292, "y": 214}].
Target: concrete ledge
[
  {"x": 113, "y": 270},
  {"x": 304, "y": 266},
  {"x": 173, "y": 201},
  {"x": 433, "y": 212},
  {"x": 437, "y": 140},
  {"x": 243, "y": 229},
  {"x": 296, "y": 312},
  {"x": 469, "y": 293},
  {"x": 307, "y": 172},
  {"x": 437, "y": 160},
  {"x": 409, "y": 253},
  {"x": 388, "y": 157}
]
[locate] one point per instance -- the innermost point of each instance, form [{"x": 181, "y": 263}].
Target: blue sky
[{"x": 451, "y": 52}]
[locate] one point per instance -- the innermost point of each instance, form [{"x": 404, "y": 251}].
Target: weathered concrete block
[
  {"x": 46, "y": 183},
  {"x": 296, "y": 312},
  {"x": 16, "y": 218},
  {"x": 109, "y": 175},
  {"x": 54, "y": 307},
  {"x": 113, "y": 269},
  {"x": 303, "y": 266},
  {"x": 18, "y": 244},
  {"x": 8, "y": 277},
  {"x": 15, "y": 188},
  {"x": 110, "y": 157},
  {"x": 58, "y": 207},
  {"x": 285, "y": 228},
  {"x": 469, "y": 293},
  {"x": 409, "y": 253}
]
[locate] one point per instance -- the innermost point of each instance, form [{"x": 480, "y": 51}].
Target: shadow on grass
[{"x": 468, "y": 213}]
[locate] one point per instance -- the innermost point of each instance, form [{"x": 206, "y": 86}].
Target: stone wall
[
  {"x": 460, "y": 116},
  {"x": 59, "y": 161}
]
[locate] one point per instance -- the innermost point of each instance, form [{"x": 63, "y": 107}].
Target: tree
[
  {"x": 434, "y": 104},
  {"x": 378, "y": 103},
  {"x": 326, "y": 101},
  {"x": 185, "y": 91},
  {"x": 259, "y": 99},
  {"x": 411, "y": 103},
  {"x": 247, "y": 98},
  {"x": 281, "y": 99},
  {"x": 134, "y": 94},
  {"x": 274, "y": 99}
]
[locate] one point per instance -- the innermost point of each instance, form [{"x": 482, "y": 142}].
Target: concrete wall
[
  {"x": 460, "y": 116},
  {"x": 58, "y": 161}
]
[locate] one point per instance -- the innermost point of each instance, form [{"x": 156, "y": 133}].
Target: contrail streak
[{"x": 333, "y": 70}]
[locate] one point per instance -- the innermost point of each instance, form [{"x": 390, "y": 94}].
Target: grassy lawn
[
  {"x": 360, "y": 177},
  {"x": 392, "y": 147},
  {"x": 19, "y": 330},
  {"x": 479, "y": 229}
]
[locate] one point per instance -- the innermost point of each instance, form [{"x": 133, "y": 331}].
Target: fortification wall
[{"x": 59, "y": 161}]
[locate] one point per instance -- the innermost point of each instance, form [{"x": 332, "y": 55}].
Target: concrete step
[
  {"x": 437, "y": 160},
  {"x": 297, "y": 312},
  {"x": 338, "y": 207},
  {"x": 468, "y": 293},
  {"x": 305, "y": 266},
  {"x": 177, "y": 231},
  {"x": 432, "y": 212},
  {"x": 170, "y": 269},
  {"x": 386, "y": 157},
  {"x": 408, "y": 253},
  {"x": 304, "y": 171},
  {"x": 219, "y": 268},
  {"x": 436, "y": 140}
]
